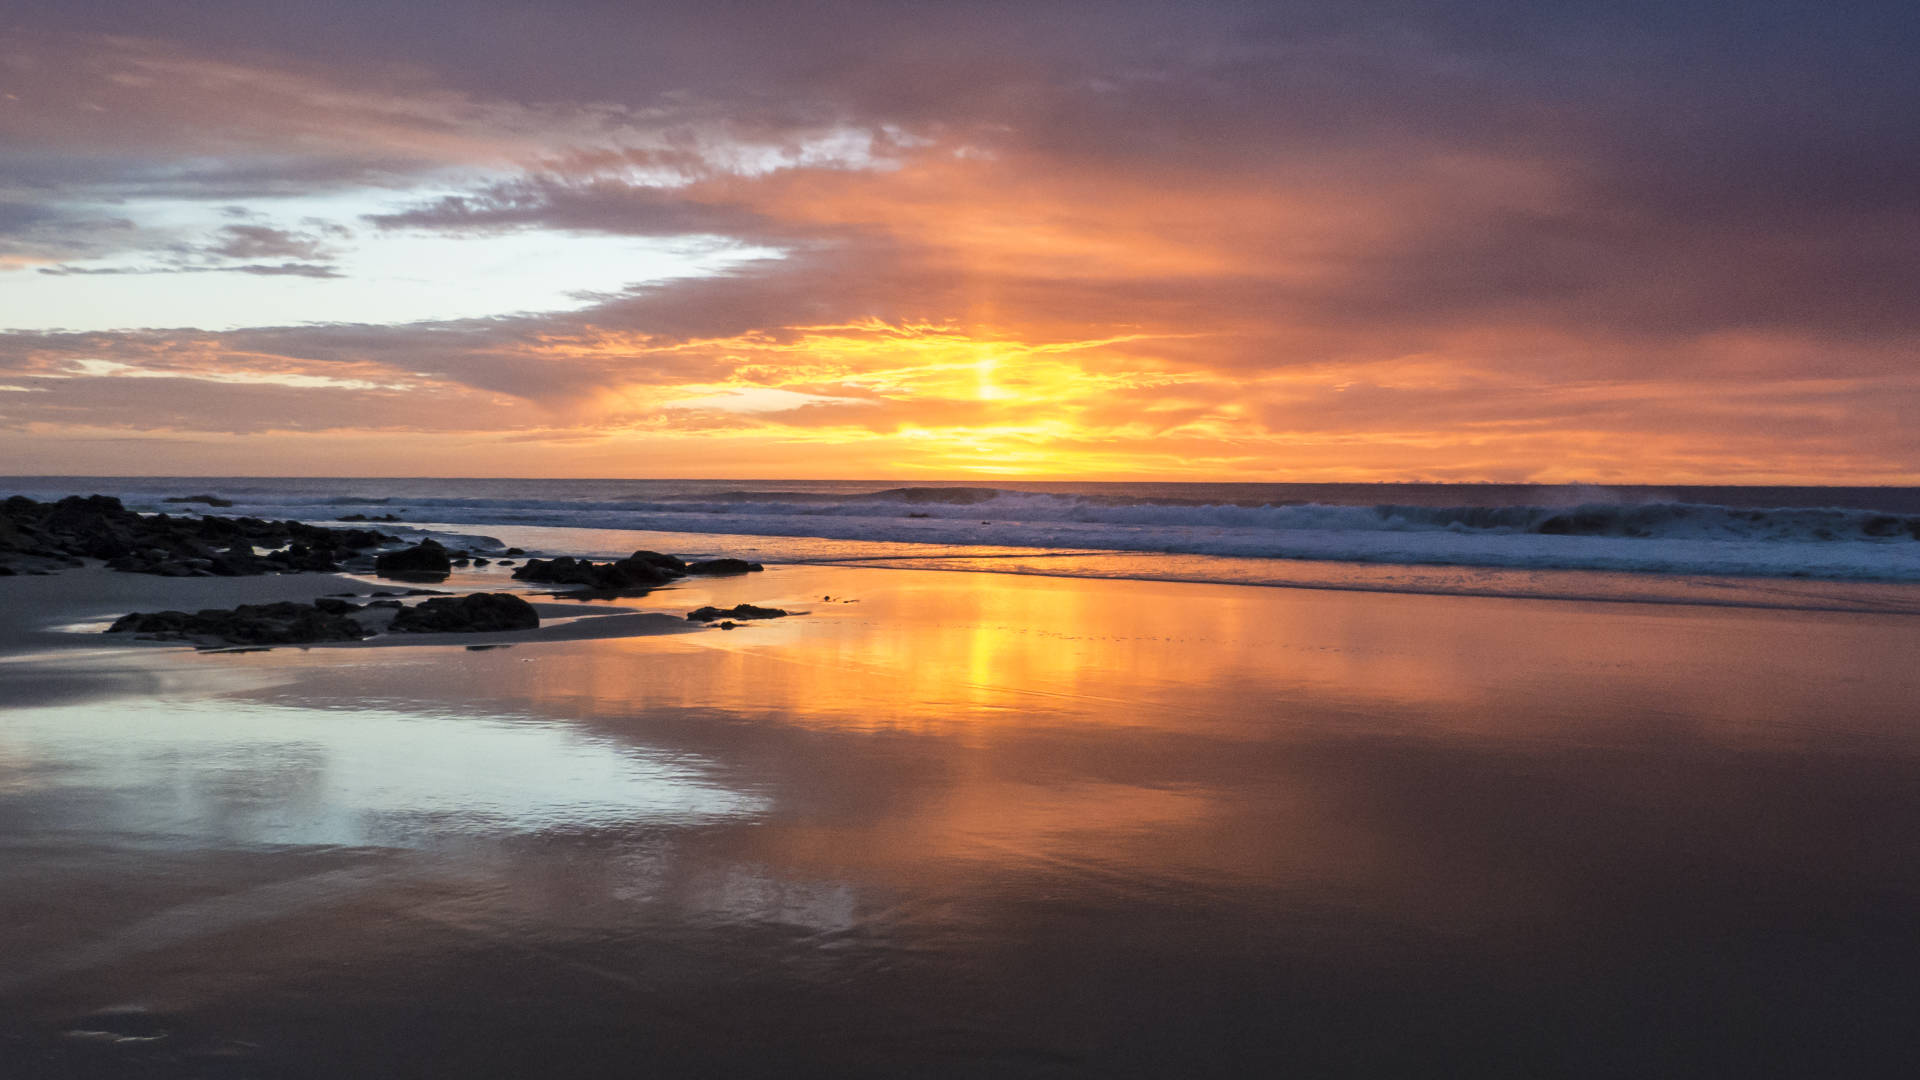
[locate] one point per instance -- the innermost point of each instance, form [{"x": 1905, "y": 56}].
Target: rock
[
  {"x": 425, "y": 559},
  {"x": 99, "y": 527},
  {"x": 237, "y": 561},
  {"x": 742, "y": 611},
  {"x": 478, "y": 613},
  {"x": 634, "y": 573},
  {"x": 516, "y": 551},
  {"x": 298, "y": 556},
  {"x": 210, "y": 500},
  {"x": 334, "y": 606},
  {"x": 723, "y": 566},
  {"x": 655, "y": 558},
  {"x": 481, "y": 561},
  {"x": 285, "y": 623}
]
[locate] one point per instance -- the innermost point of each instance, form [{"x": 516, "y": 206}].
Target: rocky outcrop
[
  {"x": 210, "y": 500},
  {"x": 426, "y": 559},
  {"x": 478, "y": 613},
  {"x": 742, "y": 611},
  {"x": 723, "y": 566},
  {"x": 330, "y": 619},
  {"x": 638, "y": 572},
  {"x": 284, "y": 623},
  {"x": 42, "y": 536}
]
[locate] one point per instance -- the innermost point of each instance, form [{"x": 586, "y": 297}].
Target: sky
[{"x": 1315, "y": 241}]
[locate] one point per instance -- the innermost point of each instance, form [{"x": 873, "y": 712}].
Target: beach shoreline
[{"x": 1032, "y": 808}]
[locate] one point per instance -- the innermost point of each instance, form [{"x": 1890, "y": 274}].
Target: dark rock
[
  {"x": 99, "y": 527},
  {"x": 516, "y": 551},
  {"x": 210, "y": 500},
  {"x": 425, "y": 559},
  {"x": 742, "y": 611},
  {"x": 723, "y": 566},
  {"x": 655, "y": 558},
  {"x": 634, "y": 573},
  {"x": 298, "y": 556},
  {"x": 237, "y": 561},
  {"x": 334, "y": 606},
  {"x": 284, "y": 623},
  {"x": 478, "y": 613},
  {"x": 482, "y": 561}
]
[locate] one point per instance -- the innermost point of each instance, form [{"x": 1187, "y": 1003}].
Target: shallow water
[{"x": 965, "y": 824}]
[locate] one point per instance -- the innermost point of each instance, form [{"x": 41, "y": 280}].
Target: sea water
[{"x": 1797, "y": 546}]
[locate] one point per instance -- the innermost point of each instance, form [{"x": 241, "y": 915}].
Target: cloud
[
  {"x": 1462, "y": 241},
  {"x": 261, "y": 242},
  {"x": 311, "y": 270}
]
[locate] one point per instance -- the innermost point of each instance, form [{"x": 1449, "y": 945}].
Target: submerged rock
[
  {"x": 741, "y": 611},
  {"x": 478, "y": 613}
]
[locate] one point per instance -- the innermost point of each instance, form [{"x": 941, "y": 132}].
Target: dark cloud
[
  {"x": 592, "y": 206},
  {"x": 263, "y": 242},
  {"x": 290, "y": 269}
]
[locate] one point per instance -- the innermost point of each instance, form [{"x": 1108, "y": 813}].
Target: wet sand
[{"x": 953, "y": 823}]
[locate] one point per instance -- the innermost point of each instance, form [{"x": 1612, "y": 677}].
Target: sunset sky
[{"x": 1660, "y": 242}]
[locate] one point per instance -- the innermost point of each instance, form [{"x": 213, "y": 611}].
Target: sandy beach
[
  {"x": 1076, "y": 540},
  {"x": 951, "y": 823}
]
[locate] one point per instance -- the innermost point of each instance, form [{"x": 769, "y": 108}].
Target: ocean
[{"x": 1805, "y": 547}]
